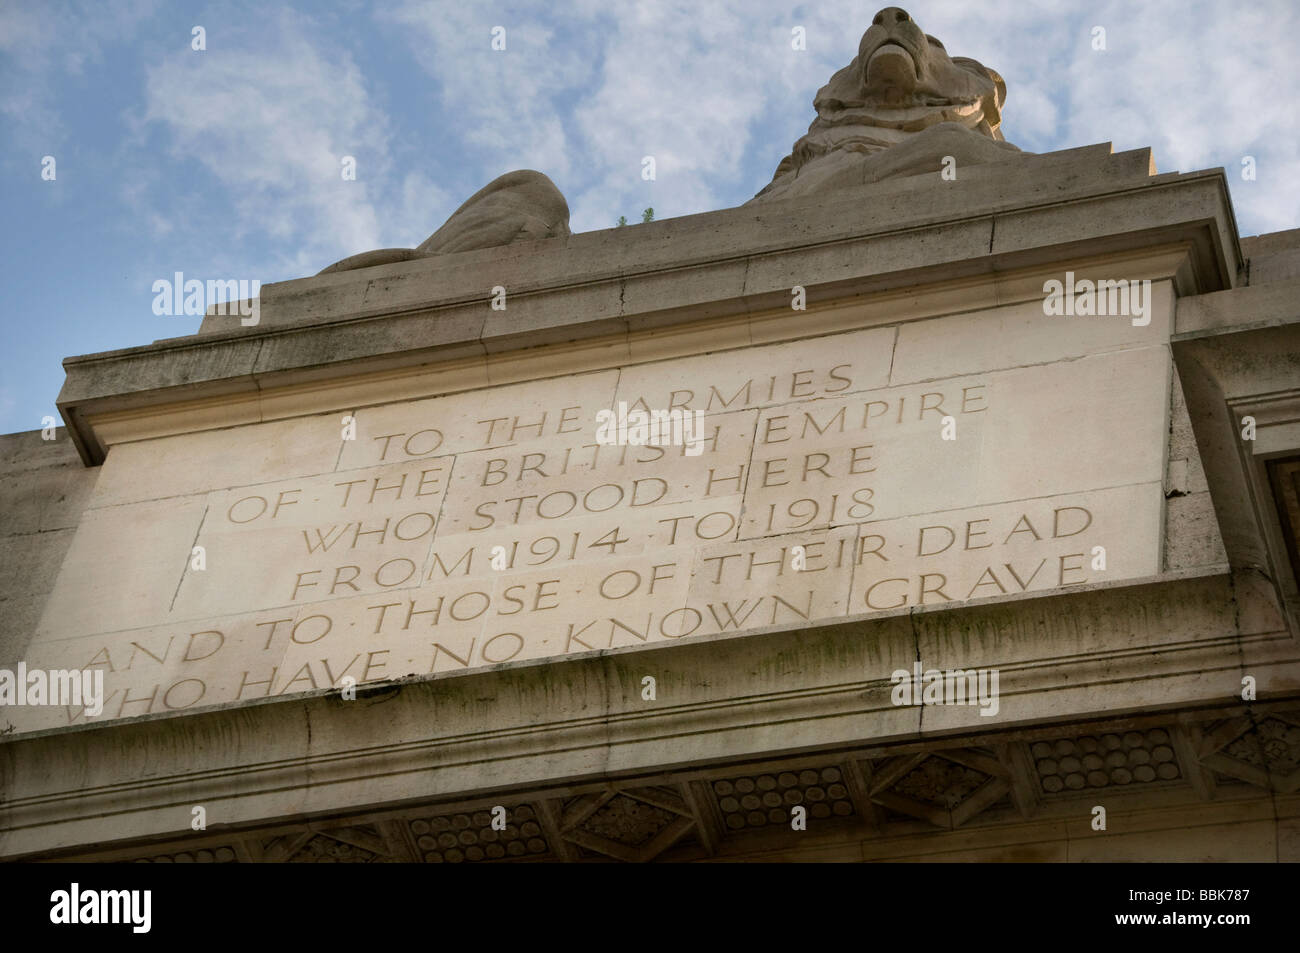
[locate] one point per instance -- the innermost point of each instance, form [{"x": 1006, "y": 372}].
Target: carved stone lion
[
  {"x": 900, "y": 108},
  {"x": 520, "y": 206}
]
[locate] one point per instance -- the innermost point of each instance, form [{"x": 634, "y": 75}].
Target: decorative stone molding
[
  {"x": 922, "y": 791},
  {"x": 1263, "y": 751}
]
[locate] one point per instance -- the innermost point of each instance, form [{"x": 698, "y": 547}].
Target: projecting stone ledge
[{"x": 594, "y": 263}]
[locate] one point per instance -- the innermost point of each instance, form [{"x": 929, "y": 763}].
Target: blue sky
[{"x": 225, "y": 162}]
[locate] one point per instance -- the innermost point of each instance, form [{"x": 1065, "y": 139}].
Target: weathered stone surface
[
  {"x": 495, "y": 525},
  {"x": 522, "y": 206},
  {"x": 517, "y": 207},
  {"x": 44, "y": 489},
  {"x": 1272, "y": 257},
  {"x": 1255, "y": 305},
  {"x": 804, "y": 229},
  {"x": 720, "y": 698}
]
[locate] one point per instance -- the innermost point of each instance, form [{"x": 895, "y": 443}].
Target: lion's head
[{"x": 901, "y": 82}]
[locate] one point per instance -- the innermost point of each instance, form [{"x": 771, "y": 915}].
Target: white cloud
[
  {"x": 422, "y": 207},
  {"x": 47, "y": 42},
  {"x": 504, "y": 102},
  {"x": 669, "y": 89},
  {"x": 271, "y": 119},
  {"x": 1202, "y": 84}
]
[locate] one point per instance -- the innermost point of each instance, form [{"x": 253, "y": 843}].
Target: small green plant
[{"x": 648, "y": 215}]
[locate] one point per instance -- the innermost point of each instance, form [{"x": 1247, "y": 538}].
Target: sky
[{"x": 227, "y": 161}]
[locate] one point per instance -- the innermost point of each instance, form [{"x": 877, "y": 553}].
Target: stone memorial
[{"x": 650, "y": 536}]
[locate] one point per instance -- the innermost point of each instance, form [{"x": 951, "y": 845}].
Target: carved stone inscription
[{"x": 492, "y": 526}]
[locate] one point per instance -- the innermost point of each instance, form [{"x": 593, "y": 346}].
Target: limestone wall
[
  {"x": 44, "y": 488},
  {"x": 368, "y": 553}
]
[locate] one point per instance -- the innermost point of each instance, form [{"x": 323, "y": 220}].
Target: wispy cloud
[
  {"x": 42, "y": 44},
  {"x": 271, "y": 118},
  {"x": 1204, "y": 85},
  {"x": 509, "y": 107}
]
